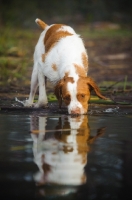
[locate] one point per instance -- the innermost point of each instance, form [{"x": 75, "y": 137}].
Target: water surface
[{"x": 63, "y": 157}]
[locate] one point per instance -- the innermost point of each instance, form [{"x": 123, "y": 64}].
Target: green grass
[
  {"x": 119, "y": 85},
  {"x": 16, "y": 53},
  {"x": 105, "y": 33}
]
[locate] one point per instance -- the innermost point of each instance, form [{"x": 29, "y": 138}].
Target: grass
[
  {"x": 105, "y": 33},
  {"x": 16, "y": 50},
  {"x": 122, "y": 85}
]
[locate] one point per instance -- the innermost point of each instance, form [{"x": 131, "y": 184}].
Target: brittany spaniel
[{"x": 60, "y": 56}]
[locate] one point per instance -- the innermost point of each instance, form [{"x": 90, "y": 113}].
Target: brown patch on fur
[
  {"x": 93, "y": 86},
  {"x": 66, "y": 74},
  {"x": 68, "y": 79},
  {"x": 54, "y": 67},
  {"x": 80, "y": 70},
  {"x": 65, "y": 93},
  {"x": 52, "y": 36},
  {"x": 83, "y": 93},
  {"x": 58, "y": 91},
  {"x": 43, "y": 57},
  {"x": 85, "y": 61}
]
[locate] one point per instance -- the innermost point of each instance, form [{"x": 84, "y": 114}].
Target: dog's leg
[
  {"x": 34, "y": 85},
  {"x": 42, "y": 100}
]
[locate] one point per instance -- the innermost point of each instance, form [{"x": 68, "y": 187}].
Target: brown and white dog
[{"x": 60, "y": 56}]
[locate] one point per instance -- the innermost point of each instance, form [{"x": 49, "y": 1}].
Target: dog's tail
[{"x": 41, "y": 23}]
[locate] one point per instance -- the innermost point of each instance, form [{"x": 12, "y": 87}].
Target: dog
[{"x": 60, "y": 56}]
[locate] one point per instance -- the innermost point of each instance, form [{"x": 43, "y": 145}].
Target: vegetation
[
  {"x": 23, "y": 13},
  {"x": 16, "y": 53}
]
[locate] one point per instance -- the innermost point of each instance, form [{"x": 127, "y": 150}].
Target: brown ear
[
  {"x": 58, "y": 92},
  {"x": 94, "y": 86}
]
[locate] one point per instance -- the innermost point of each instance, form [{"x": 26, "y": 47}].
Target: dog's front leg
[
  {"x": 42, "y": 100},
  {"x": 34, "y": 85}
]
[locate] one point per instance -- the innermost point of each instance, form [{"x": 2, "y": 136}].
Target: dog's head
[{"x": 76, "y": 93}]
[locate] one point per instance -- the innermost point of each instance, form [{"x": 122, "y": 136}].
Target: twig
[{"x": 114, "y": 84}]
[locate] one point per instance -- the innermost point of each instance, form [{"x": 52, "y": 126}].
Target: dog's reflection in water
[{"x": 61, "y": 153}]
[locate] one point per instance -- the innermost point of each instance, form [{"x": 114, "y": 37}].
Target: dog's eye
[
  {"x": 67, "y": 98},
  {"x": 82, "y": 95}
]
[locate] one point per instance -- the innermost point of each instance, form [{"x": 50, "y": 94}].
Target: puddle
[{"x": 57, "y": 156}]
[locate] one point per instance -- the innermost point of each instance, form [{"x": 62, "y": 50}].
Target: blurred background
[
  {"x": 105, "y": 26},
  {"x": 22, "y": 13}
]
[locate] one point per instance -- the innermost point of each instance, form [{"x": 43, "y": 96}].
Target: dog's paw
[
  {"x": 27, "y": 104},
  {"x": 40, "y": 104}
]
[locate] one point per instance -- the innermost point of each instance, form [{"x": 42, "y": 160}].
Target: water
[{"x": 62, "y": 157}]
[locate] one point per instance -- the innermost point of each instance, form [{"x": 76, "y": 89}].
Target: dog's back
[{"x": 61, "y": 48}]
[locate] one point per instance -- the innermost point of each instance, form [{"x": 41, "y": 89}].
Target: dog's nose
[{"x": 76, "y": 111}]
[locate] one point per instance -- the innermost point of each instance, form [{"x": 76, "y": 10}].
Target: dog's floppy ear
[
  {"x": 42, "y": 24},
  {"x": 94, "y": 86},
  {"x": 58, "y": 92}
]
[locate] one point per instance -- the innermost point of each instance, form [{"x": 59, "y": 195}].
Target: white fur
[
  {"x": 64, "y": 55},
  {"x": 74, "y": 104}
]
